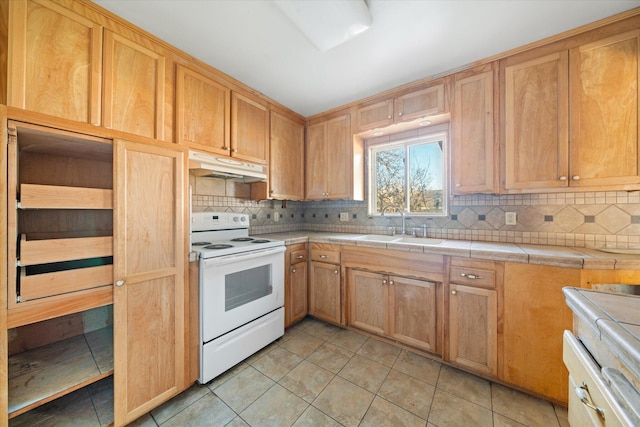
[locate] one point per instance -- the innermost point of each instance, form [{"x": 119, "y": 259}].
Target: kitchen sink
[{"x": 400, "y": 239}]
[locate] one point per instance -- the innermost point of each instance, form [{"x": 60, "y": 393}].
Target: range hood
[{"x": 209, "y": 165}]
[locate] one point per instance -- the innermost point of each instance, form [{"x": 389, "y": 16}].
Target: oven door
[{"x": 236, "y": 289}]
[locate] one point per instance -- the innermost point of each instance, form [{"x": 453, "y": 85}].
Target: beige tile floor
[{"x": 321, "y": 375}]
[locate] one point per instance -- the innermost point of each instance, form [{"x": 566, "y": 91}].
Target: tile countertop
[{"x": 558, "y": 256}]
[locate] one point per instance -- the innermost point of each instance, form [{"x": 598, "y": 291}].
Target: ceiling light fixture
[{"x": 327, "y": 23}]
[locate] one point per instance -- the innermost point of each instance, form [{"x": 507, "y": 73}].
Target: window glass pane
[
  {"x": 390, "y": 177},
  {"x": 245, "y": 286},
  {"x": 425, "y": 177}
]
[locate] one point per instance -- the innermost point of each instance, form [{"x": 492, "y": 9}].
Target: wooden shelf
[
  {"x": 57, "y": 250},
  {"x": 45, "y": 373},
  {"x": 35, "y": 196}
]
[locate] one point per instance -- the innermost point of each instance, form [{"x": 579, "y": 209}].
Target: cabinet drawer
[
  {"x": 298, "y": 256},
  {"x": 331, "y": 257},
  {"x": 473, "y": 276},
  {"x": 584, "y": 374}
]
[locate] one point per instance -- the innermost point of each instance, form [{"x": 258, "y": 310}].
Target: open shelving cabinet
[{"x": 60, "y": 258}]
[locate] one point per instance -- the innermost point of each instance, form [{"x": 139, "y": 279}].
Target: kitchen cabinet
[
  {"x": 474, "y": 148},
  {"x": 249, "y": 129},
  {"x": 82, "y": 224},
  {"x": 571, "y": 117},
  {"x": 286, "y": 160},
  {"x": 401, "y": 108},
  {"x": 54, "y": 61},
  {"x": 474, "y": 289},
  {"x": 203, "y": 112},
  {"x": 295, "y": 304},
  {"x": 534, "y": 318},
  {"x": 134, "y": 86},
  {"x": 334, "y": 161},
  {"x": 400, "y": 308},
  {"x": 325, "y": 283}
]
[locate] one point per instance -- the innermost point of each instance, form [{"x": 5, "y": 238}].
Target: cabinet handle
[
  {"x": 576, "y": 177},
  {"x": 470, "y": 276},
  {"x": 293, "y": 270},
  {"x": 563, "y": 178},
  {"x": 224, "y": 147},
  {"x": 584, "y": 396},
  {"x": 384, "y": 281},
  {"x": 389, "y": 117},
  {"x": 391, "y": 282},
  {"x": 453, "y": 292},
  {"x": 335, "y": 271},
  {"x": 300, "y": 257},
  {"x": 457, "y": 185},
  {"x": 235, "y": 150},
  {"x": 400, "y": 114},
  {"x": 324, "y": 256},
  {"x": 119, "y": 282}
]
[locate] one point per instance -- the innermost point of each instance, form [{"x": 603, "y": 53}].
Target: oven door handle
[{"x": 228, "y": 259}]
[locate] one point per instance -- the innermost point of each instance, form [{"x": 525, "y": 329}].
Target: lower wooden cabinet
[
  {"x": 397, "y": 307},
  {"x": 295, "y": 301},
  {"x": 324, "y": 291},
  {"x": 473, "y": 295}
]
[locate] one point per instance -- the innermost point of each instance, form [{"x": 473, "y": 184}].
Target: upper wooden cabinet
[
  {"x": 54, "y": 61},
  {"x": 473, "y": 143},
  {"x": 401, "y": 108},
  {"x": 203, "y": 112},
  {"x": 571, "y": 118},
  {"x": 134, "y": 86},
  {"x": 286, "y": 163},
  {"x": 249, "y": 129},
  {"x": 333, "y": 161},
  {"x": 603, "y": 117}
]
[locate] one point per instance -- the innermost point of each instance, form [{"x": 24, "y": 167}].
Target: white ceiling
[{"x": 255, "y": 43}]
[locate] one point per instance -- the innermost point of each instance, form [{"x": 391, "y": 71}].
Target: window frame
[{"x": 432, "y": 135}]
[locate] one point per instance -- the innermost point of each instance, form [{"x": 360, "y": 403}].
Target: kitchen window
[{"x": 409, "y": 173}]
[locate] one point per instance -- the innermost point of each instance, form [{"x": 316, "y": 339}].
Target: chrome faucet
[{"x": 396, "y": 207}]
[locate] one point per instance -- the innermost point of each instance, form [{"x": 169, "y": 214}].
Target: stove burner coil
[
  {"x": 260, "y": 241},
  {"x": 242, "y": 239},
  {"x": 218, "y": 246},
  {"x": 200, "y": 243}
]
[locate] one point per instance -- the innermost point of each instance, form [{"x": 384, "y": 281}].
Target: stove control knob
[
  {"x": 243, "y": 219},
  {"x": 235, "y": 219}
]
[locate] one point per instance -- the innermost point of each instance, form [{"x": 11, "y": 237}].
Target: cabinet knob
[
  {"x": 224, "y": 147},
  {"x": 300, "y": 257},
  {"x": 563, "y": 178},
  {"x": 453, "y": 292},
  {"x": 576, "y": 177},
  {"x": 119, "y": 282},
  {"x": 389, "y": 117},
  {"x": 391, "y": 282},
  {"x": 335, "y": 271},
  {"x": 235, "y": 150},
  {"x": 400, "y": 113},
  {"x": 324, "y": 256},
  {"x": 457, "y": 185},
  {"x": 293, "y": 270},
  {"x": 384, "y": 282},
  {"x": 470, "y": 276}
]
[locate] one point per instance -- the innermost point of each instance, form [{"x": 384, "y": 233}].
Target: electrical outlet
[
  {"x": 510, "y": 218},
  {"x": 276, "y": 216},
  {"x": 344, "y": 216}
]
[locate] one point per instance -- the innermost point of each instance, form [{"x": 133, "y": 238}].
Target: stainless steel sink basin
[{"x": 400, "y": 239}]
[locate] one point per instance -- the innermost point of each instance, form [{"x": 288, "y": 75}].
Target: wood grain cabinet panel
[
  {"x": 604, "y": 112},
  {"x": 249, "y": 129},
  {"x": 134, "y": 87},
  {"x": 325, "y": 289},
  {"x": 286, "y": 163},
  {"x": 536, "y": 117},
  {"x": 55, "y": 61},
  {"x": 473, "y": 142},
  {"x": 203, "y": 112},
  {"x": 295, "y": 304}
]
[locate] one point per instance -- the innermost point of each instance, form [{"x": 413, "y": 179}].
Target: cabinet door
[
  {"x": 473, "y": 328},
  {"x": 535, "y": 316},
  {"x": 412, "y": 312},
  {"x": 472, "y": 142},
  {"x": 368, "y": 301},
  {"x": 536, "y": 129},
  {"x": 376, "y": 115},
  {"x": 339, "y": 176},
  {"x": 203, "y": 108},
  {"x": 604, "y": 112},
  {"x": 134, "y": 87},
  {"x": 55, "y": 61},
  {"x": 249, "y": 129},
  {"x": 149, "y": 258},
  {"x": 420, "y": 103},
  {"x": 316, "y": 162},
  {"x": 286, "y": 164},
  {"x": 324, "y": 292},
  {"x": 297, "y": 292}
]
